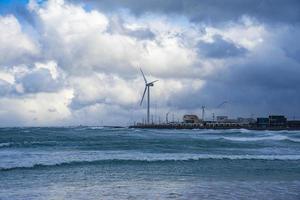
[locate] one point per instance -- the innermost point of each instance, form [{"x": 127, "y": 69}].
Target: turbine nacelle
[{"x": 151, "y": 83}]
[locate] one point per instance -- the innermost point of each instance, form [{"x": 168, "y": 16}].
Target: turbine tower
[
  {"x": 203, "y": 112},
  {"x": 147, "y": 88}
]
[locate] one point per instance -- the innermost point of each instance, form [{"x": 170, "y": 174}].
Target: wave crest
[
  {"x": 253, "y": 139},
  {"x": 155, "y": 158},
  {"x": 6, "y": 144}
]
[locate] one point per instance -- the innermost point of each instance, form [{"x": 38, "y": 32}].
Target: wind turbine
[{"x": 147, "y": 88}]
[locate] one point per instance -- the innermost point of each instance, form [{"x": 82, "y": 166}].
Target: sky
[{"x": 71, "y": 62}]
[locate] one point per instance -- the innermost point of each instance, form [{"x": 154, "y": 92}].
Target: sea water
[{"x": 122, "y": 163}]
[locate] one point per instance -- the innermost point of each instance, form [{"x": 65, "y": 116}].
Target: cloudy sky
[{"x": 70, "y": 62}]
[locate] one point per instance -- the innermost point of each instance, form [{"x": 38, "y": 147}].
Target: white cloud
[
  {"x": 81, "y": 41},
  {"x": 15, "y": 46},
  {"x": 103, "y": 88},
  {"x": 42, "y": 77},
  {"x": 51, "y": 66},
  {"x": 247, "y": 34},
  {"x": 5, "y": 76},
  {"x": 33, "y": 110}
]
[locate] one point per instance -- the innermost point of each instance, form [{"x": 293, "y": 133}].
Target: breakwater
[{"x": 201, "y": 126}]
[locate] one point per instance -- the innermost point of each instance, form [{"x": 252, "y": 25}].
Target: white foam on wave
[
  {"x": 96, "y": 127},
  {"x": 6, "y": 144},
  {"x": 245, "y": 139},
  {"x": 251, "y": 139},
  {"x": 295, "y": 139},
  {"x": 56, "y": 158}
]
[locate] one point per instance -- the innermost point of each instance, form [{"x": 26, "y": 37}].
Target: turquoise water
[{"x": 121, "y": 163}]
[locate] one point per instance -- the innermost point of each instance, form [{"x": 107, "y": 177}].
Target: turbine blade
[
  {"x": 153, "y": 81},
  {"x": 143, "y": 95},
  {"x": 221, "y": 104},
  {"x": 143, "y": 76}
]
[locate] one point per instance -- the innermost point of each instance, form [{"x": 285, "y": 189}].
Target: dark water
[{"x": 108, "y": 163}]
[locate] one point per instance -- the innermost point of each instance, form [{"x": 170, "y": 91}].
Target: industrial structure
[{"x": 273, "y": 122}]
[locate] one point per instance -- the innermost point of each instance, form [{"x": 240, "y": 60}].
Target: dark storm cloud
[
  {"x": 220, "y": 48},
  {"x": 261, "y": 86},
  {"x": 209, "y": 10},
  {"x": 290, "y": 43}
]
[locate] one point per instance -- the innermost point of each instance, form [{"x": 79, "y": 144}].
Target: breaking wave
[
  {"x": 253, "y": 139},
  {"x": 6, "y": 144},
  {"x": 148, "y": 158},
  {"x": 182, "y": 138}
]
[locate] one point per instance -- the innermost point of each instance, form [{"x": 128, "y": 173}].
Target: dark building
[
  {"x": 277, "y": 120},
  {"x": 293, "y": 123},
  {"x": 262, "y": 122},
  {"x": 191, "y": 119},
  {"x": 222, "y": 118}
]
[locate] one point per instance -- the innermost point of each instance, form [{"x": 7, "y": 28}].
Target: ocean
[{"x": 122, "y": 163}]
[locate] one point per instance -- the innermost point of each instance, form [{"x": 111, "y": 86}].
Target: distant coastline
[{"x": 198, "y": 126}]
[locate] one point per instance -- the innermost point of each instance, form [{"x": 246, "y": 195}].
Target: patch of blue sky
[{"x": 9, "y": 6}]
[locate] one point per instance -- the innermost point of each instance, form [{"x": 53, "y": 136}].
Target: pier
[{"x": 273, "y": 122}]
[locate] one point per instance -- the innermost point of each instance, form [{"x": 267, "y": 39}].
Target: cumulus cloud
[
  {"x": 38, "y": 81},
  {"x": 86, "y": 41},
  {"x": 119, "y": 26},
  {"x": 16, "y": 47},
  {"x": 77, "y": 62},
  {"x": 33, "y": 109},
  {"x": 103, "y": 88},
  {"x": 22, "y": 79}
]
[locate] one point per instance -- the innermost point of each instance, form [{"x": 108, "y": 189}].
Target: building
[
  {"x": 272, "y": 121},
  {"x": 277, "y": 120},
  {"x": 191, "y": 119},
  {"x": 222, "y": 118},
  {"x": 293, "y": 123},
  {"x": 245, "y": 121},
  {"x": 262, "y": 122}
]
